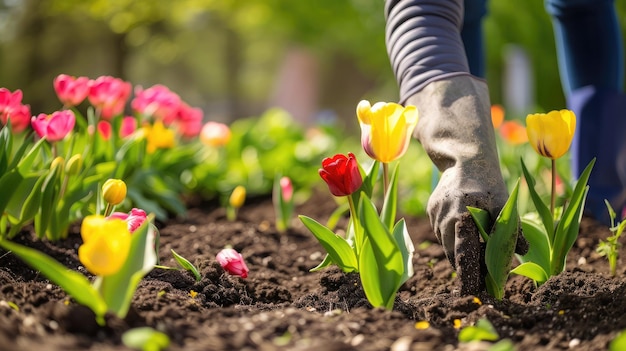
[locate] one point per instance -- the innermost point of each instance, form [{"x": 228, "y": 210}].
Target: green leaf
[
  {"x": 26, "y": 163},
  {"x": 74, "y": 283},
  {"x": 542, "y": 209},
  {"x": 533, "y": 271},
  {"x": 483, "y": 330},
  {"x": 538, "y": 243},
  {"x": 481, "y": 218},
  {"x": 405, "y": 244},
  {"x": 9, "y": 183},
  {"x": 183, "y": 262},
  {"x": 386, "y": 252},
  {"x": 327, "y": 261},
  {"x": 337, "y": 247},
  {"x": 501, "y": 245},
  {"x": 118, "y": 289},
  {"x": 146, "y": 339},
  {"x": 390, "y": 205},
  {"x": 569, "y": 225},
  {"x": 370, "y": 277},
  {"x": 619, "y": 343}
]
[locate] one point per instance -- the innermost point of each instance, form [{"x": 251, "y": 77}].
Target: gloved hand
[{"x": 456, "y": 131}]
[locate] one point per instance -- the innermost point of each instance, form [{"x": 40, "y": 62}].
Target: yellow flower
[
  {"x": 386, "y": 129},
  {"x": 550, "y": 134},
  {"x": 158, "y": 136},
  {"x": 114, "y": 191},
  {"x": 238, "y": 197},
  {"x": 106, "y": 244}
]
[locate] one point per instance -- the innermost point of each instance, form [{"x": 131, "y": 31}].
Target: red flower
[
  {"x": 232, "y": 261},
  {"x": 342, "y": 174}
]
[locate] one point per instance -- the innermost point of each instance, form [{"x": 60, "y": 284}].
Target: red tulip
[
  {"x": 342, "y": 174},
  {"x": 11, "y": 108},
  {"x": 128, "y": 127},
  {"x": 71, "y": 90},
  {"x": 232, "y": 261},
  {"x": 104, "y": 127}
]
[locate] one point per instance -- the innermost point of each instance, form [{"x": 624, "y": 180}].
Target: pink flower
[
  {"x": 158, "y": 102},
  {"x": 189, "y": 120},
  {"x": 11, "y": 108},
  {"x": 128, "y": 126},
  {"x": 109, "y": 95},
  {"x": 286, "y": 188},
  {"x": 215, "y": 134},
  {"x": 232, "y": 262},
  {"x": 104, "y": 127},
  {"x": 135, "y": 218},
  {"x": 71, "y": 90},
  {"x": 54, "y": 127}
]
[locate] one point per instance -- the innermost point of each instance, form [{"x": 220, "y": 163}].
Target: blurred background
[{"x": 237, "y": 58}]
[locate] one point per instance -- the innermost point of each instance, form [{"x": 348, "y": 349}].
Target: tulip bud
[
  {"x": 57, "y": 162},
  {"x": 114, "y": 191},
  {"x": 232, "y": 262},
  {"x": 286, "y": 188},
  {"x": 74, "y": 165},
  {"x": 238, "y": 197}
]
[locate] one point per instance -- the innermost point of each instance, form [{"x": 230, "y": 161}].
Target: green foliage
[
  {"x": 483, "y": 330},
  {"x": 377, "y": 247},
  {"x": 551, "y": 239},
  {"x": 146, "y": 339},
  {"x": 188, "y": 266},
  {"x": 500, "y": 242},
  {"x": 610, "y": 247},
  {"x": 111, "y": 293}
]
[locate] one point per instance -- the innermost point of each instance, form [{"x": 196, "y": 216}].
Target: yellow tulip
[
  {"x": 158, "y": 136},
  {"x": 386, "y": 129},
  {"x": 107, "y": 245},
  {"x": 550, "y": 134},
  {"x": 114, "y": 191}
]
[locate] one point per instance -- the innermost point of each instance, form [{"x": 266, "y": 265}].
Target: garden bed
[{"x": 281, "y": 305}]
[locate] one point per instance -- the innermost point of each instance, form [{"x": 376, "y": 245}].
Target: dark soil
[{"x": 283, "y": 306}]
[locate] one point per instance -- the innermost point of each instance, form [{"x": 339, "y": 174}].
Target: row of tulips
[{"x": 380, "y": 249}]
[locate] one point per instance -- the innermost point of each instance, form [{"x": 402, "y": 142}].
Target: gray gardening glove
[{"x": 456, "y": 131}]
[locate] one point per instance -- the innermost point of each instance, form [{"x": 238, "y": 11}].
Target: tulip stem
[
  {"x": 553, "y": 193},
  {"x": 355, "y": 223},
  {"x": 108, "y": 210},
  {"x": 385, "y": 178}
]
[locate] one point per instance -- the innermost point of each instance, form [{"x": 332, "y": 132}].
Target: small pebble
[{"x": 573, "y": 343}]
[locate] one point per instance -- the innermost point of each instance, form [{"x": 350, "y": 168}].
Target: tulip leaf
[
  {"x": 118, "y": 289},
  {"x": 390, "y": 205},
  {"x": 501, "y": 245},
  {"x": 539, "y": 246},
  {"x": 405, "y": 244},
  {"x": 531, "y": 270},
  {"x": 337, "y": 247},
  {"x": 26, "y": 162},
  {"x": 146, "y": 339},
  {"x": 75, "y": 284},
  {"x": 483, "y": 330},
  {"x": 9, "y": 183},
  {"x": 542, "y": 209},
  {"x": 481, "y": 218},
  {"x": 569, "y": 225},
  {"x": 386, "y": 252},
  {"x": 370, "y": 277},
  {"x": 183, "y": 262},
  {"x": 327, "y": 261}
]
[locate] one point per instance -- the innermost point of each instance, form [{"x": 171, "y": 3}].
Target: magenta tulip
[
  {"x": 109, "y": 95},
  {"x": 54, "y": 127},
  {"x": 71, "y": 90},
  {"x": 158, "y": 102},
  {"x": 11, "y": 107},
  {"x": 232, "y": 262}
]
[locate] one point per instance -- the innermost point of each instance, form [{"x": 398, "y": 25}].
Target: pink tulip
[
  {"x": 54, "y": 127},
  {"x": 158, "y": 102},
  {"x": 128, "y": 126},
  {"x": 232, "y": 262},
  {"x": 104, "y": 127},
  {"x": 109, "y": 95},
  {"x": 135, "y": 218},
  {"x": 286, "y": 188},
  {"x": 11, "y": 108},
  {"x": 71, "y": 90},
  {"x": 215, "y": 134},
  {"x": 189, "y": 120}
]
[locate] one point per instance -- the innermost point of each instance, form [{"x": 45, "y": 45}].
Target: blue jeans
[{"x": 591, "y": 65}]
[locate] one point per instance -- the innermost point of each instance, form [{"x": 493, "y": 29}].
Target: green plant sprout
[
  {"x": 146, "y": 339},
  {"x": 610, "y": 247},
  {"x": 484, "y": 331},
  {"x": 185, "y": 264},
  {"x": 500, "y": 242}
]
